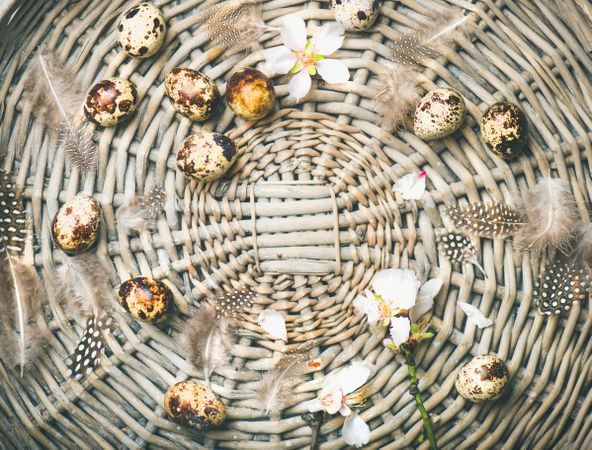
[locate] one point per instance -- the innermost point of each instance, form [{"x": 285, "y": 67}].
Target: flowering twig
[
  {"x": 314, "y": 421},
  {"x": 414, "y": 391}
]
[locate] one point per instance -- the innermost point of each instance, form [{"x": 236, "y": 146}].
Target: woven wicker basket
[{"x": 307, "y": 215}]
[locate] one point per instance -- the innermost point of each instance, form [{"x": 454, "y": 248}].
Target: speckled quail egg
[
  {"x": 250, "y": 93},
  {"x": 504, "y": 128},
  {"x": 141, "y": 30},
  {"x": 146, "y": 299},
  {"x": 193, "y": 404},
  {"x": 355, "y": 15},
  {"x": 439, "y": 113},
  {"x": 483, "y": 378},
  {"x": 76, "y": 224},
  {"x": 192, "y": 93},
  {"x": 111, "y": 101},
  {"x": 206, "y": 156}
]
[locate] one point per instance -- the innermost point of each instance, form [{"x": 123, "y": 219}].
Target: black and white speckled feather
[
  {"x": 559, "y": 286},
  {"x": 458, "y": 248},
  {"x": 493, "y": 220}
]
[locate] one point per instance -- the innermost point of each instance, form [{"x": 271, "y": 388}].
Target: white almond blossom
[{"x": 306, "y": 57}]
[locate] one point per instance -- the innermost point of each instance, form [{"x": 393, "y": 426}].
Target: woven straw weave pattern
[{"x": 307, "y": 215}]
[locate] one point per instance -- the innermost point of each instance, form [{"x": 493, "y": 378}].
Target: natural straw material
[{"x": 306, "y": 216}]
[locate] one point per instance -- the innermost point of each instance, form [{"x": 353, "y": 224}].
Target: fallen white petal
[
  {"x": 400, "y": 329},
  {"x": 397, "y": 287},
  {"x": 329, "y": 38},
  {"x": 425, "y": 299},
  {"x": 351, "y": 377},
  {"x": 294, "y": 32},
  {"x": 367, "y": 305},
  {"x": 300, "y": 84},
  {"x": 355, "y": 431},
  {"x": 333, "y": 71},
  {"x": 273, "y": 322},
  {"x": 474, "y": 315},
  {"x": 279, "y": 60},
  {"x": 411, "y": 186}
]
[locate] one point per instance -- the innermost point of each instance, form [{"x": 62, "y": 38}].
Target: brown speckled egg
[
  {"x": 504, "y": 128},
  {"x": 141, "y": 30},
  {"x": 192, "y": 93},
  {"x": 110, "y": 101},
  {"x": 439, "y": 113},
  {"x": 355, "y": 15},
  {"x": 250, "y": 93},
  {"x": 193, "y": 404},
  {"x": 482, "y": 378},
  {"x": 76, "y": 224},
  {"x": 146, "y": 299},
  {"x": 206, "y": 156}
]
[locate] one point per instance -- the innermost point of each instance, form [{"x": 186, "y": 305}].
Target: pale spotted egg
[
  {"x": 141, "y": 30},
  {"x": 355, "y": 15}
]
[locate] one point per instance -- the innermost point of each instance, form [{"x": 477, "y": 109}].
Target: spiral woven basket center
[{"x": 306, "y": 216}]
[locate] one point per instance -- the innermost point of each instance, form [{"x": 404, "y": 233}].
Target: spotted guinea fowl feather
[
  {"x": 18, "y": 279},
  {"x": 87, "y": 355},
  {"x": 559, "y": 286},
  {"x": 208, "y": 335},
  {"x": 458, "y": 248},
  {"x": 493, "y": 220}
]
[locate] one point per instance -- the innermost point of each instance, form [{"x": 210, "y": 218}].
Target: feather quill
[
  {"x": 58, "y": 99},
  {"x": 208, "y": 335},
  {"x": 428, "y": 41},
  {"x": 396, "y": 95},
  {"x": 276, "y": 385},
  {"x": 494, "y": 220},
  {"x": 551, "y": 218},
  {"x": 18, "y": 280},
  {"x": 234, "y": 24}
]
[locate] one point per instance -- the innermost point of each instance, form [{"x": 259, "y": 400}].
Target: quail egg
[
  {"x": 483, "y": 378},
  {"x": 192, "y": 93},
  {"x": 206, "y": 156},
  {"x": 146, "y": 299},
  {"x": 439, "y": 113},
  {"x": 355, "y": 15},
  {"x": 193, "y": 404},
  {"x": 141, "y": 30},
  {"x": 111, "y": 101},
  {"x": 504, "y": 128},
  {"x": 250, "y": 93},
  {"x": 75, "y": 226}
]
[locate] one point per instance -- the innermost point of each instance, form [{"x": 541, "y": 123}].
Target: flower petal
[
  {"x": 398, "y": 287},
  {"x": 400, "y": 329},
  {"x": 355, "y": 431},
  {"x": 352, "y": 377},
  {"x": 411, "y": 186},
  {"x": 474, "y": 315},
  {"x": 294, "y": 32},
  {"x": 329, "y": 38},
  {"x": 314, "y": 405},
  {"x": 368, "y": 306},
  {"x": 299, "y": 85},
  {"x": 333, "y": 71},
  {"x": 345, "y": 410},
  {"x": 425, "y": 299},
  {"x": 279, "y": 60},
  {"x": 273, "y": 322}
]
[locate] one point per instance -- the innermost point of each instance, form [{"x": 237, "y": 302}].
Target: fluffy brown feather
[
  {"x": 58, "y": 99},
  {"x": 428, "y": 40},
  {"x": 582, "y": 252},
  {"x": 234, "y": 24},
  {"x": 22, "y": 293},
  {"x": 138, "y": 213},
  {"x": 551, "y": 218},
  {"x": 276, "y": 385},
  {"x": 397, "y": 93},
  {"x": 209, "y": 334}
]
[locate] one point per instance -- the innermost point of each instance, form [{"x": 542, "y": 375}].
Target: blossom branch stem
[
  {"x": 314, "y": 422},
  {"x": 414, "y": 390}
]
